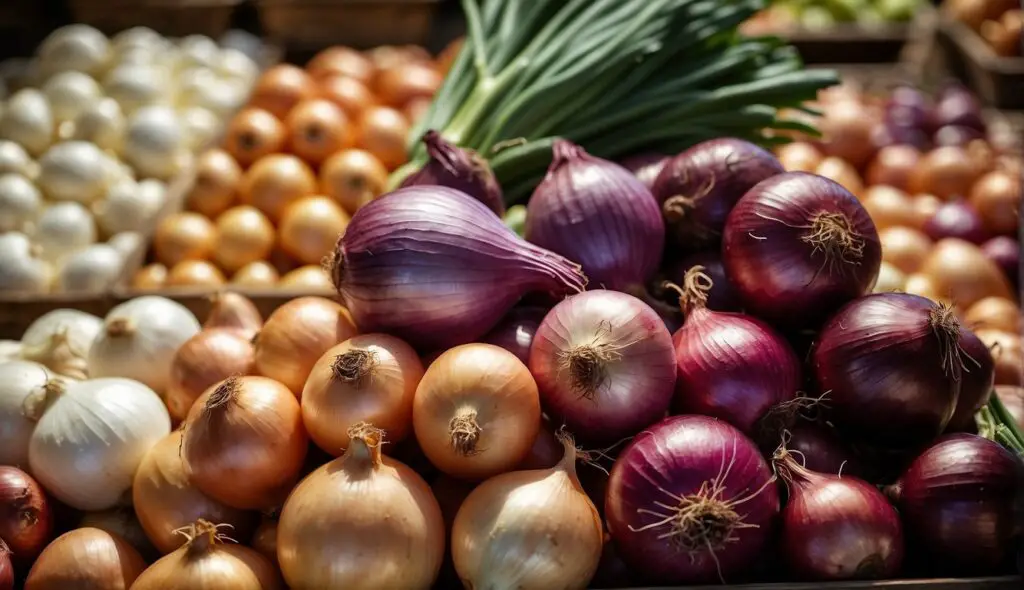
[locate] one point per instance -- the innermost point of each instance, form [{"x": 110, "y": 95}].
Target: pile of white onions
[{"x": 91, "y": 132}]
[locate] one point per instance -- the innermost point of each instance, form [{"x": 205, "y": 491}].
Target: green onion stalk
[
  {"x": 996, "y": 423},
  {"x": 615, "y": 76}
]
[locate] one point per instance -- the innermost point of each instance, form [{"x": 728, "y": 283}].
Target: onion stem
[{"x": 995, "y": 423}]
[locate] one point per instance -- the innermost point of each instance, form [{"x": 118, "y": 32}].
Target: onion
[
  {"x": 960, "y": 272},
  {"x": 958, "y": 106},
  {"x": 234, "y": 311},
  {"x": 316, "y": 129},
  {"x": 20, "y": 203},
  {"x": 382, "y": 131},
  {"x": 598, "y": 214},
  {"x": 529, "y": 529},
  {"x": 184, "y": 236},
  {"x": 732, "y": 366},
  {"x": 19, "y": 380},
  {"x": 341, "y": 61},
  {"x": 121, "y": 521},
  {"x": 28, "y": 121},
  {"x": 476, "y": 411},
  {"x": 945, "y": 172},
  {"x": 92, "y": 270},
  {"x": 150, "y": 277},
  {"x": 26, "y": 520},
  {"x": 904, "y": 247},
  {"x": 154, "y": 142},
  {"x": 296, "y": 335},
  {"x": 127, "y": 206},
  {"x": 86, "y": 558},
  {"x": 996, "y": 197},
  {"x": 353, "y": 178},
  {"x": 75, "y": 47},
  {"x": 311, "y": 278},
  {"x": 60, "y": 340},
  {"x": 836, "y": 528},
  {"x": 978, "y": 369},
  {"x": 463, "y": 170},
  {"x": 840, "y": 171},
  {"x": 1005, "y": 253},
  {"x": 63, "y": 229},
  {"x": 166, "y": 500},
  {"x": 202, "y": 128},
  {"x": 113, "y": 422},
  {"x": 73, "y": 171},
  {"x": 139, "y": 340},
  {"x": 349, "y": 93},
  {"x": 799, "y": 156},
  {"x": 893, "y": 165},
  {"x": 6, "y": 569},
  {"x": 797, "y": 246},
  {"x": 137, "y": 85},
  {"x": 721, "y": 297},
  {"x": 645, "y": 167},
  {"x": 516, "y": 331},
  {"x": 846, "y": 128},
  {"x": 690, "y": 500},
  {"x": 252, "y": 134},
  {"x": 275, "y": 181},
  {"x": 259, "y": 273},
  {"x": 994, "y": 313},
  {"x": 280, "y": 88},
  {"x": 360, "y": 504},
  {"x": 69, "y": 93},
  {"x": 891, "y": 363},
  {"x": 956, "y": 135},
  {"x": 956, "y": 219},
  {"x": 101, "y": 123},
  {"x": 604, "y": 365},
  {"x": 890, "y": 279},
  {"x": 1008, "y": 354},
  {"x": 310, "y": 227},
  {"x": 368, "y": 378},
  {"x": 468, "y": 271},
  {"x": 957, "y": 500},
  {"x": 264, "y": 540},
  {"x": 21, "y": 271},
  {"x": 398, "y": 85},
  {"x": 127, "y": 243},
  {"x": 890, "y": 207},
  {"x": 204, "y": 360},
  {"x": 206, "y": 561},
  {"x": 195, "y": 273},
  {"x": 821, "y": 449},
  {"x": 216, "y": 186},
  {"x": 15, "y": 160},
  {"x": 243, "y": 235}
]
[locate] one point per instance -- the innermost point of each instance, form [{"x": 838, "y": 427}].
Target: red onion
[
  {"x": 1005, "y": 252},
  {"x": 604, "y": 366},
  {"x": 978, "y": 373},
  {"x": 957, "y": 106},
  {"x": 722, "y": 296},
  {"x": 732, "y": 366},
  {"x": 515, "y": 334},
  {"x": 958, "y": 501},
  {"x": 836, "y": 528},
  {"x": 701, "y": 185},
  {"x": 956, "y": 219},
  {"x": 460, "y": 169},
  {"x": 598, "y": 214},
  {"x": 820, "y": 449},
  {"x": 797, "y": 246},
  {"x": 645, "y": 166},
  {"x": 6, "y": 568},
  {"x": 25, "y": 517},
  {"x": 891, "y": 363},
  {"x": 435, "y": 267},
  {"x": 691, "y": 500}
]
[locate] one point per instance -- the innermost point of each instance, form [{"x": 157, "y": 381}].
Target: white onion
[
  {"x": 74, "y": 171},
  {"x": 18, "y": 380},
  {"x": 154, "y": 142},
  {"x": 15, "y": 243},
  {"x": 135, "y": 85},
  {"x": 91, "y": 438},
  {"x": 139, "y": 340},
  {"x": 63, "y": 229},
  {"x": 20, "y": 203},
  {"x": 70, "y": 93},
  {"x": 235, "y": 64},
  {"x": 14, "y": 159},
  {"x": 127, "y": 243},
  {"x": 102, "y": 123},
  {"x": 10, "y": 350},
  {"x": 127, "y": 207},
  {"x": 28, "y": 121},
  {"x": 93, "y": 270},
  {"x": 78, "y": 48},
  {"x": 21, "y": 271},
  {"x": 60, "y": 340},
  {"x": 197, "y": 50},
  {"x": 201, "y": 127},
  {"x": 136, "y": 37},
  {"x": 201, "y": 87}
]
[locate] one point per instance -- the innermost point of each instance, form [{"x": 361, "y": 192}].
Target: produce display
[
  {"x": 91, "y": 131},
  {"x": 310, "y": 148},
  {"x": 822, "y": 15},
  {"x": 999, "y": 22}
]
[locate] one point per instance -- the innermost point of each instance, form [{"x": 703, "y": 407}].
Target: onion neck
[
  {"x": 569, "y": 456},
  {"x": 363, "y": 453},
  {"x": 202, "y": 536},
  {"x": 464, "y": 432},
  {"x": 564, "y": 151},
  {"x": 40, "y": 400},
  {"x": 945, "y": 326},
  {"x": 693, "y": 295},
  {"x": 445, "y": 154},
  {"x": 792, "y": 472},
  {"x": 354, "y": 367},
  {"x": 120, "y": 327},
  {"x": 223, "y": 395}
]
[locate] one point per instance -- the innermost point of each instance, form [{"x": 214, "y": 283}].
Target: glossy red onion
[
  {"x": 595, "y": 212},
  {"x": 1005, "y": 252},
  {"x": 515, "y": 332},
  {"x": 956, "y": 105},
  {"x": 460, "y": 169},
  {"x": 691, "y": 500},
  {"x": 733, "y": 367},
  {"x": 604, "y": 366},
  {"x": 959, "y": 502},
  {"x": 645, "y": 166},
  {"x": 909, "y": 107},
  {"x": 891, "y": 364},
  {"x": 26, "y": 522},
  {"x": 722, "y": 296},
  {"x": 435, "y": 267},
  {"x": 797, "y": 246},
  {"x": 956, "y": 219},
  {"x": 978, "y": 373},
  {"x": 6, "y": 568},
  {"x": 701, "y": 185},
  {"x": 820, "y": 449},
  {"x": 836, "y": 528}
]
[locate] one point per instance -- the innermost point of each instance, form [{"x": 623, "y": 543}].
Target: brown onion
[
  {"x": 184, "y": 236},
  {"x": 216, "y": 186},
  {"x": 919, "y": 284},
  {"x": 842, "y": 172},
  {"x": 150, "y": 277},
  {"x": 962, "y": 273},
  {"x": 86, "y": 559},
  {"x": 311, "y": 278},
  {"x": 264, "y": 539},
  {"x": 945, "y": 172},
  {"x": 26, "y": 521},
  {"x": 207, "y": 562},
  {"x": 244, "y": 443},
  {"x": 310, "y": 228},
  {"x": 280, "y": 88},
  {"x": 1008, "y": 353},
  {"x": 904, "y": 247},
  {"x": 994, "y": 313},
  {"x": 341, "y": 61},
  {"x": 244, "y": 235},
  {"x": 893, "y": 165},
  {"x": 275, "y": 181},
  {"x": 348, "y": 93},
  {"x": 353, "y": 178},
  {"x": 923, "y": 208},
  {"x": 123, "y": 522},
  {"x": 195, "y": 273},
  {"x": 165, "y": 500},
  {"x": 316, "y": 129},
  {"x": 361, "y": 521},
  {"x": 888, "y": 207},
  {"x": 368, "y": 378},
  {"x": 476, "y": 412},
  {"x": 996, "y": 196},
  {"x": 258, "y": 273},
  {"x": 799, "y": 156},
  {"x": 401, "y": 84},
  {"x": 296, "y": 335},
  {"x": 252, "y": 134},
  {"x": 846, "y": 128},
  {"x": 206, "y": 359},
  {"x": 382, "y": 132},
  {"x": 233, "y": 311}
]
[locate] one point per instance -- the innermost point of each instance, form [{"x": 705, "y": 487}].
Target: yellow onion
[
  {"x": 311, "y": 278},
  {"x": 1008, "y": 354},
  {"x": 216, "y": 185},
  {"x": 195, "y": 273},
  {"x": 244, "y": 235},
  {"x": 233, "y": 311},
  {"x": 264, "y": 539},
  {"x": 121, "y": 521},
  {"x": 204, "y": 360},
  {"x": 150, "y": 277},
  {"x": 994, "y": 313},
  {"x": 529, "y": 529},
  {"x": 184, "y": 236},
  {"x": 310, "y": 227},
  {"x": 361, "y": 521},
  {"x": 86, "y": 559},
  {"x": 207, "y": 562},
  {"x": 259, "y": 273},
  {"x": 962, "y": 273}
]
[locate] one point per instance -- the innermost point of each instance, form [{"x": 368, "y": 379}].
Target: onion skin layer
[{"x": 86, "y": 559}]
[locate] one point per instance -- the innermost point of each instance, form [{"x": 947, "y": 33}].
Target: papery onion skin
[
  {"x": 515, "y": 332},
  {"x": 604, "y": 365},
  {"x": 893, "y": 165},
  {"x": 704, "y": 462},
  {"x": 206, "y": 359},
  {"x": 892, "y": 366},
  {"x": 233, "y": 311},
  {"x": 700, "y": 186},
  {"x": 244, "y": 442},
  {"x": 26, "y": 520},
  {"x": 797, "y": 246},
  {"x": 596, "y": 213},
  {"x": 165, "y": 500},
  {"x": 86, "y": 559},
  {"x": 976, "y": 381},
  {"x": 958, "y": 502},
  {"x": 435, "y": 267},
  {"x": 476, "y": 411},
  {"x": 360, "y": 504},
  {"x": 462, "y": 170}
]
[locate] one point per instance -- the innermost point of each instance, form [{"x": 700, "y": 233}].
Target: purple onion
[
  {"x": 598, "y": 214},
  {"x": 821, "y": 449},
  {"x": 700, "y": 186},
  {"x": 956, "y": 135},
  {"x": 722, "y": 296},
  {"x": 459, "y": 169},
  {"x": 436, "y": 267},
  {"x": 1005, "y": 252},
  {"x": 902, "y": 111},
  {"x": 884, "y": 134},
  {"x": 515, "y": 332},
  {"x": 958, "y": 106},
  {"x": 978, "y": 376},
  {"x": 956, "y": 219},
  {"x": 645, "y": 167}
]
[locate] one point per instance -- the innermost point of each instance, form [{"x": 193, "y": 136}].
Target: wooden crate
[
  {"x": 175, "y": 18},
  {"x": 314, "y": 24},
  {"x": 999, "y": 81}
]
